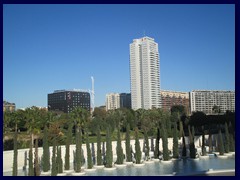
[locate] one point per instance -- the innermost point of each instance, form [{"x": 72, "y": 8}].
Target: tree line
[{"x": 56, "y": 128}]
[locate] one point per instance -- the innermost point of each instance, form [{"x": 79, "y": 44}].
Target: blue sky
[{"x": 50, "y": 47}]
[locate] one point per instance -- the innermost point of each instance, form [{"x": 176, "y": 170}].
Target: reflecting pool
[{"x": 183, "y": 166}]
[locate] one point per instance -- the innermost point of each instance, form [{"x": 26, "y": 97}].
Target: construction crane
[{"x": 92, "y": 94}]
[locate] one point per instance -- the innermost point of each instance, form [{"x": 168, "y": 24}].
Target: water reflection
[{"x": 158, "y": 168}]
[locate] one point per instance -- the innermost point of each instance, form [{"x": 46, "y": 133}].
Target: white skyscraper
[{"x": 145, "y": 74}]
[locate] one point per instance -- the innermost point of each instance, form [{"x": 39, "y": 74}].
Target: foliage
[
  {"x": 165, "y": 144},
  {"x": 68, "y": 142},
  {"x": 89, "y": 154},
  {"x": 220, "y": 143},
  {"x": 99, "y": 154},
  {"x": 30, "y": 161},
  {"x": 191, "y": 144},
  {"x": 120, "y": 156},
  {"x": 54, "y": 169},
  {"x": 36, "y": 161},
  {"x": 109, "y": 153},
  {"x": 128, "y": 147},
  {"x": 59, "y": 160},
  {"x": 46, "y": 153},
  {"x": 227, "y": 139},
  {"x": 203, "y": 142},
  {"x": 15, "y": 155},
  {"x": 138, "y": 153},
  {"x": 175, "y": 141}
]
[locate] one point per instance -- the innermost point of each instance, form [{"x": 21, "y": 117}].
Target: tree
[
  {"x": 120, "y": 156},
  {"x": 46, "y": 153},
  {"x": 165, "y": 144},
  {"x": 80, "y": 117},
  {"x": 203, "y": 142},
  {"x": 68, "y": 142},
  {"x": 54, "y": 169},
  {"x": 128, "y": 146},
  {"x": 15, "y": 118},
  {"x": 226, "y": 144},
  {"x": 109, "y": 153},
  {"x": 220, "y": 143},
  {"x": 192, "y": 145},
  {"x": 59, "y": 160},
  {"x": 99, "y": 154},
  {"x": 216, "y": 109},
  {"x": 175, "y": 141},
  {"x": 89, "y": 154},
  {"x": 138, "y": 153}
]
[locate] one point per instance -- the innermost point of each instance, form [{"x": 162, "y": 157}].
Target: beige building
[
  {"x": 112, "y": 101},
  {"x": 8, "y": 106},
  {"x": 205, "y": 100},
  {"x": 171, "y": 98}
]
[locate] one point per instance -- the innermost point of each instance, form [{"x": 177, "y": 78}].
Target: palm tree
[
  {"x": 80, "y": 116},
  {"x": 32, "y": 125}
]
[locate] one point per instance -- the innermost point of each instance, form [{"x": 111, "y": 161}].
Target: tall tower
[{"x": 145, "y": 74}]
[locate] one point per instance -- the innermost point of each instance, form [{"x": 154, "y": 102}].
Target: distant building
[
  {"x": 145, "y": 74},
  {"x": 118, "y": 100},
  {"x": 125, "y": 100},
  {"x": 171, "y": 98},
  {"x": 67, "y": 100},
  {"x": 7, "y": 106},
  {"x": 205, "y": 100}
]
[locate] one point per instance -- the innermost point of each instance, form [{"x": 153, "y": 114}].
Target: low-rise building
[
  {"x": 205, "y": 100},
  {"x": 7, "y": 106},
  {"x": 171, "y": 98}
]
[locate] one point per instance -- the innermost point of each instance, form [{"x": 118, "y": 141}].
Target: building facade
[
  {"x": 205, "y": 101},
  {"x": 145, "y": 74},
  {"x": 67, "y": 100},
  {"x": 171, "y": 98},
  {"x": 7, "y": 106},
  {"x": 118, "y": 100}
]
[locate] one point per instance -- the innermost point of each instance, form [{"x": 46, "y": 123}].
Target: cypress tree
[
  {"x": 30, "y": 162},
  {"x": 78, "y": 149},
  {"x": 226, "y": 144},
  {"x": 146, "y": 150},
  {"x": 99, "y": 154},
  {"x": 89, "y": 154},
  {"x": 54, "y": 161},
  {"x": 203, "y": 142},
  {"x": 220, "y": 143},
  {"x": 109, "y": 153},
  {"x": 152, "y": 144},
  {"x": 120, "y": 156},
  {"x": 231, "y": 139},
  {"x": 175, "y": 141},
  {"x": 46, "y": 153},
  {"x": 138, "y": 153},
  {"x": 128, "y": 146},
  {"x": 36, "y": 160},
  {"x": 231, "y": 143},
  {"x": 156, "y": 150},
  {"x": 165, "y": 144},
  {"x": 184, "y": 150},
  {"x": 68, "y": 142},
  {"x": 59, "y": 160},
  {"x": 15, "y": 154},
  {"x": 192, "y": 145}
]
